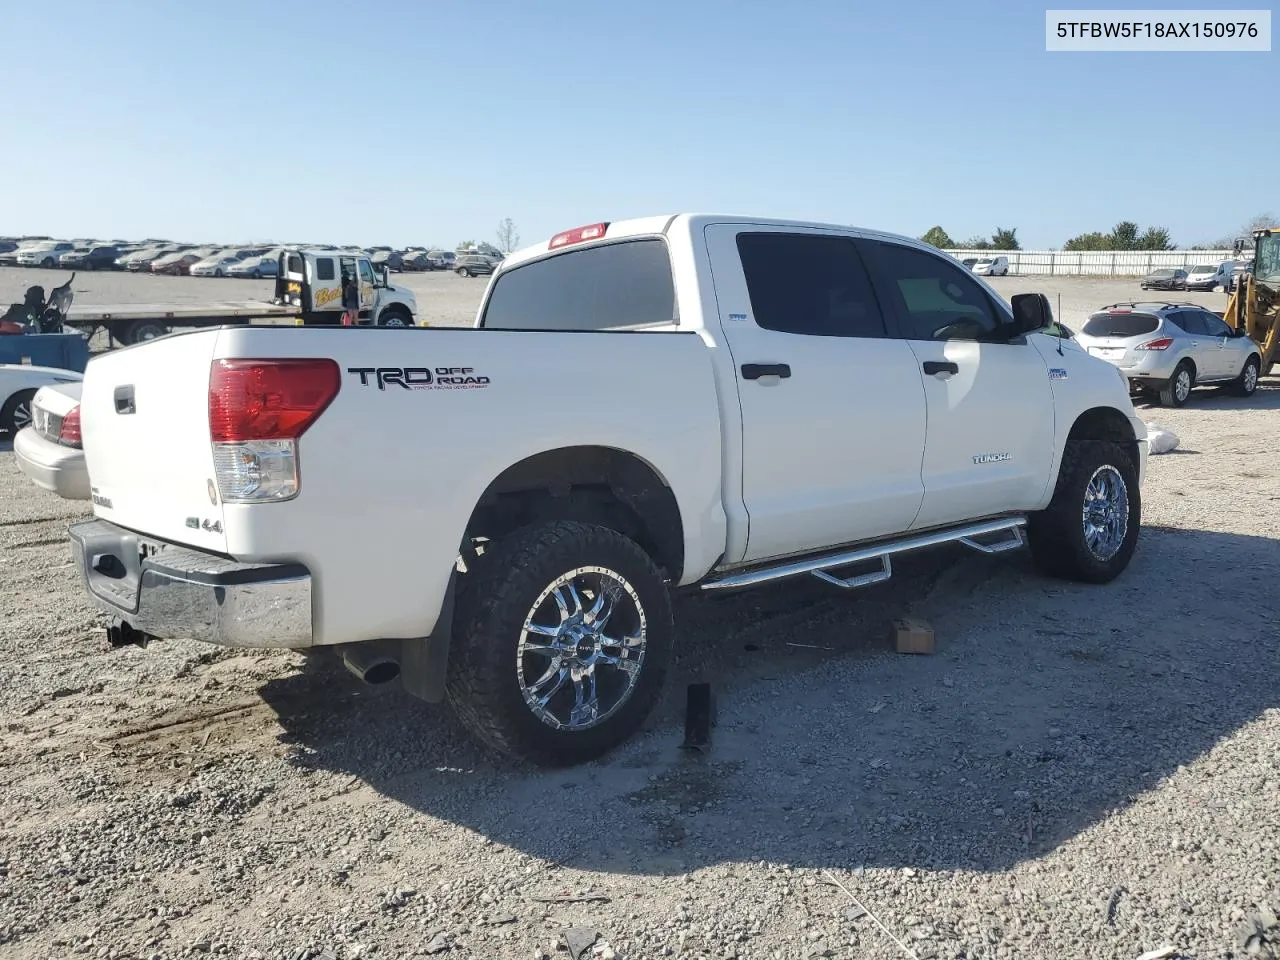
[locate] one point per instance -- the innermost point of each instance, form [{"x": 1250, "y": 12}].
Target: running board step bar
[{"x": 819, "y": 566}]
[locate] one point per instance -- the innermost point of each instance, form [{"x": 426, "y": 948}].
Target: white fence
[{"x": 1096, "y": 263}]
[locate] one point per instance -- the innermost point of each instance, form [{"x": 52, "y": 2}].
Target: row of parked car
[
  {"x": 207, "y": 261},
  {"x": 1205, "y": 276}
]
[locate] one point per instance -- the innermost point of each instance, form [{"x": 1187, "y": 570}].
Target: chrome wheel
[
  {"x": 1106, "y": 512},
  {"x": 22, "y": 415},
  {"x": 1182, "y": 385},
  {"x": 581, "y": 648},
  {"x": 1250, "y": 377}
]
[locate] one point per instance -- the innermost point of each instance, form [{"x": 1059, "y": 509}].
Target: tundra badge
[{"x": 991, "y": 457}]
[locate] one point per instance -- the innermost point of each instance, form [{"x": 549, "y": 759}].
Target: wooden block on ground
[{"x": 912, "y": 635}]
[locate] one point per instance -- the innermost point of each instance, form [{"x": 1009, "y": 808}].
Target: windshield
[
  {"x": 986, "y": 260},
  {"x": 1162, "y": 273},
  {"x": 1204, "y": 268},
  {"x": 1267, "y": 261}
]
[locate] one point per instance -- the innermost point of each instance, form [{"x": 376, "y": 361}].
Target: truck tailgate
[{"x": 145, "y": 420}]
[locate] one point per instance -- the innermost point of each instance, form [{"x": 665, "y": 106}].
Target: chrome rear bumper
[{"x": 168, "y": 591}]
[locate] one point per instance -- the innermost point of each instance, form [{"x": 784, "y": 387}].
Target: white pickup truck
[{"x": 683, "y": 402}]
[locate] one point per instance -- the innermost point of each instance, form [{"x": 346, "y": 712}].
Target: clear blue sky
[{"x": 420, "y": 122}]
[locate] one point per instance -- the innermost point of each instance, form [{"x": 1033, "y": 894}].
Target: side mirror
[
  {"x": 386, "y": 276},
  {"x": 1031, "y": 312}
]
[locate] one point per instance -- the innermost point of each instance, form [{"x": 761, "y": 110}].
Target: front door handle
[
  {"x": 754, "y": 371},
  {"x": 934, "y": 367}
]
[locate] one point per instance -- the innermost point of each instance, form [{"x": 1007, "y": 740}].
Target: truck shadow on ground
[{"x": 1046, "y": 707}]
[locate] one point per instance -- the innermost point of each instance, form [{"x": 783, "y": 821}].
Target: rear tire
[
  {"x": 141, "y": 330},
  {"x": 1090, "y": 529},
  {"x": 16, "y": 413},
  {"x": 496, "y": 674},
  {"x": 1177, "y": 391},
  {"x": 464, "y": 272},
  {"x": 1247, "y": 382}
]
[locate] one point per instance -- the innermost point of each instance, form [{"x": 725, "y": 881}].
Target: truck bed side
[{"x": 393, "y": 469}]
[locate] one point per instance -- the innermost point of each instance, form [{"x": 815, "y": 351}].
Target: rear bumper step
[
  {"x": 166, "y": 591},
  {"x": 820, "y": 565}
]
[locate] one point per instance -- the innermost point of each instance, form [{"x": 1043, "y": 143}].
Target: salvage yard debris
[
  {"x": 913, "y": 635},
  {"x": 1161, "y": 439}
]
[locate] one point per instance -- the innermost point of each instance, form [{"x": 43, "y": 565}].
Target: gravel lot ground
[{"x": 1077, "y": 772}]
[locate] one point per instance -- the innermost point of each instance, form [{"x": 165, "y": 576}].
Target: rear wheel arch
[{"x": 595, "y": 484}]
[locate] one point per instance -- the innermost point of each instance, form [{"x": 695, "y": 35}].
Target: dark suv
[
  {"x": 92, "y": 258},
  {"x": 474, "y": 265}
]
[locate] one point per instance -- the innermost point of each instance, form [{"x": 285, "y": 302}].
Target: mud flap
[{"x": 424, "y": 661}]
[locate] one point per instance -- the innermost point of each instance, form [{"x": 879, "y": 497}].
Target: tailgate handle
[{"x": 124, "y": 400}]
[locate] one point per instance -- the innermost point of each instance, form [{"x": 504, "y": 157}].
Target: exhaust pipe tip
[
  {"x": 372, "y": 664},
  {"x": 384, "y": 671}
]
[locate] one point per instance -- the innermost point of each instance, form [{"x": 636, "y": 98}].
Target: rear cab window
[
  {"x": 627, "y": 283},
  {"x": 1120, "y": 324}
]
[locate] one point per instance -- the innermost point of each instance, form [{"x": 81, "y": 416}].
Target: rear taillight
[
  {"x": 1163, "y": 343},
  {"x": 257, "y": 411},
  {"x": 69, "y": 432},
  {"x": 592, "y": 231}
]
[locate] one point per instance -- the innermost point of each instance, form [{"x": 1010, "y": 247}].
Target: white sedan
[
  {"x": 49, "y": 451},
  {"x": 18, "y": 385},
  {"x": 255, "y": 267},
  {"x": 216, "y": 266}
]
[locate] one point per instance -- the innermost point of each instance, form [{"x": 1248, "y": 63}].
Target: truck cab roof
[{"x": 607, "y": 231}]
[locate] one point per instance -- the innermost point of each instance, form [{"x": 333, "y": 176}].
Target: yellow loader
[{"x": 1254, "y": 304}]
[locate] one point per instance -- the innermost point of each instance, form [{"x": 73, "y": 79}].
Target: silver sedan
[{"x": 1167, "y": 348}]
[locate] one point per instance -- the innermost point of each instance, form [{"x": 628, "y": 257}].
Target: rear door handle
[
  {"x": 754, "y": 371},
  {"x": 934, "y": 367}
]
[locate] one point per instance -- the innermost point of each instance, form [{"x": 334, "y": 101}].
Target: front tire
[
  {"x": 1090, "y": 529},
  {"x": 563, "y": 638},
  {"x": 1177, "y": 391}
]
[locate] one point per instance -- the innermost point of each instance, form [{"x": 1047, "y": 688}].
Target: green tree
[
  {"x": 1004, "y": 239},
  {"x": 1124, "y": 236},
  {"x": 1155, "y": 238},
  {"x": 1089, "y": 241},
  {"x": 976, "y": 243},
  {"x": 936, "y": 236}
]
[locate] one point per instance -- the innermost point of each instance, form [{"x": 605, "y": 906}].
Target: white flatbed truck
[{"x": 308, "y": 289}]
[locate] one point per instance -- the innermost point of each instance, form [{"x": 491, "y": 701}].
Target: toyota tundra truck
[{"x": 684, "y": 402}]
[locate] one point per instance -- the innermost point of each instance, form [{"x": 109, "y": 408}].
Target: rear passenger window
[
  {"x": 324, "y": 268},
  {"x": 809, "y": 284},
  {"x": 936, "y": 299},
  {"x": 622, "y": 284},
  {"x": 1192, "y": 321}
]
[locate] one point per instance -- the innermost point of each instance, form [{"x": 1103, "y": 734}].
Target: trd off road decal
[{"x": 420, "y": 378}]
